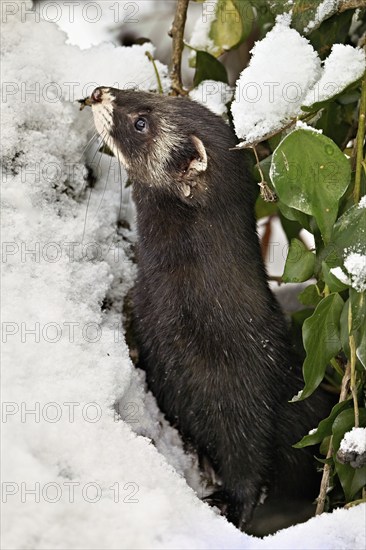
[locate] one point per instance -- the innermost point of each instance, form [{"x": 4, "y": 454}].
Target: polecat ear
[{"x": 198, "y": 164}]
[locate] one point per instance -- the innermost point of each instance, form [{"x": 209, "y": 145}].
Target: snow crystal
[
  {"x": 355, "y": 264},
  {"x": 214, "y": 95},
  {"x": 354, "y": 441},
  {"x": 362, "y": 203},
  {"x": 343, "y": 66},
  {"x": 325, "y": 9},
  {"x": 271, "y": 90}
]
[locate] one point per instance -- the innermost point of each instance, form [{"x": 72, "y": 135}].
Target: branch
[
  {"x": 177, "y": 33},
  {"x": 359, "y": 141},
  {"x": 345, "y": 5},
  {"x": 327, "y": 467}
]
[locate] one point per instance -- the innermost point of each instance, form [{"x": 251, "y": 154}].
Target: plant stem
[
  {"x": 150, "y": 57},
  {"x": 266, "y": 193},
  {"x": 327, "y": 467},
  {"x": 177, "y": 34},
  {"x": 352, "y": 346},
  {"x": 359, "y": 141}
]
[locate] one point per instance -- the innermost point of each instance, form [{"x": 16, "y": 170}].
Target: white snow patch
[
  {"x": 213, "y": 95},
  {"x": 354, "y": 441},
  {"x": 343, "y": 66},
  {"x": 341, "y": 276},
  {"x": 271, "y": 90},
  {"x": 355, "y": 264},
  {"x": 285, "y": 73},
  {"x": 326, "y": 8},
  {"x": 304, "y": 126},
  {"x": 200, "y": 39},
  {"x": 362, "y": 203}
]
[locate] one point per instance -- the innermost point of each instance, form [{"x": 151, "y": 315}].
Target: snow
[
  {"x": 271, "y": 90},
  {"x": 285, "y": 73},
  {"x": 325, "y": 9},
  {"x": 303, "y": 126},
  {"x": 362, "y": 203},
  {"x": 200, "y": 39},
  {"x": 341, "y": 276},
  {"x": 214, "y": 95},
  {"x": 354, "y": 441},
  {"x": 355, "y": 264},
  {"x": 73, "y": 469},
  {"x": 343, "y": 66}
]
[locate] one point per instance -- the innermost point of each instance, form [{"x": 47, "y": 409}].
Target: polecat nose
[{"x": 96, "y": 96}]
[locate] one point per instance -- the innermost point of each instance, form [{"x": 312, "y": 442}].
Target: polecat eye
[{"x": 141, "y": 124}]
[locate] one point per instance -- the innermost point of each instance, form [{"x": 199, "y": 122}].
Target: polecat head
[{"x": 161, "y": 141}]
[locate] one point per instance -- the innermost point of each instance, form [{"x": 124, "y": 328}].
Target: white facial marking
[{"x": 103, "y": 120}]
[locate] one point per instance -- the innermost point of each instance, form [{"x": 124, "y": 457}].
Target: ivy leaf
[
  {"x": 325, "y": 427},
  {"x": 349, "y": 233},
  {"x": 310, "y": 173},
  {"x": 303, "y": 12},
  {"x": 321, "y": 341},
  {"x": 358, "y": 325},
  {"x": 352, "y": 479},
  {"x": 208, "y": 68},
  {"x": 310, "y": 296},
  {"x": 333, "y": 283},
  {"x": 232, "y": 25},
  {"x": 300, "y": 263}
]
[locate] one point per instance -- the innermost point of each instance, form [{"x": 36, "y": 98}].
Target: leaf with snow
[
  {"x": 271, "y": 90},
  {"x": 343, "y": 67},
  {"x": 306, "y": 16},
  {"x": 222, "y": 25}
]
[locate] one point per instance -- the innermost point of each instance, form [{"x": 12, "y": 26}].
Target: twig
[
  {"x": 177, "y": 34},
  {"x": 352, "y": 345},
  {"x": 327, "y": 467},
  {"x": 345, "y": 5},
  {"x": 359, "y": 141},
  {"x": 266, "y": 193}
]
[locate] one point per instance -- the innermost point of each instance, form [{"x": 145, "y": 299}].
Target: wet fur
[{"x": 211, "y": 336}]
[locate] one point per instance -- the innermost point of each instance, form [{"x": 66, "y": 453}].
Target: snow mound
[
  {"x": 343, "y": 66},
  {"x": 285, "y": 73},
  {"x": 271, "y": 90},
  {"x": 213, "y": 95}
]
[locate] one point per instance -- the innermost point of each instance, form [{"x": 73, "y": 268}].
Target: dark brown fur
[{"x": 211, "y": 336}]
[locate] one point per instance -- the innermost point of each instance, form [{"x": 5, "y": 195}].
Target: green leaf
[
  {"x": 303, "y": 11},
  {"x": 310, "y": 173},
  {"x": 294, "y": 215},
  {"x": 300, "y": 263},
  {"x": 321, "y": 341},
  {"x": 333, "y": 283},
  {"x": 325, "y": 427},
  {"x": 358, "y": 325},
  {"x": 349, "y": 233},
  {"x": 232, "y": 25},
  {"x": 332, "y": 31},
  {"x": 352, "y": 479},
  {"x": 310, "y": 296},
  {"x": 208, "y": 68}
]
